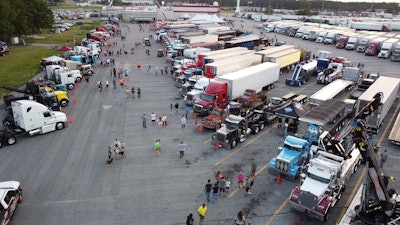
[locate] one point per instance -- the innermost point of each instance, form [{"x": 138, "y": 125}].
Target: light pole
[
  {"x": 269, "y": 9},
  {"x": 320, "y": 14}
]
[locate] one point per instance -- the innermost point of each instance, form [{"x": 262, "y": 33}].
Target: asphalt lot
[{"x": 66, "y": 181}]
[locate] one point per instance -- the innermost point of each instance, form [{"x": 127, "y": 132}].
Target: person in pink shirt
[{"x": 240, "y": 177}]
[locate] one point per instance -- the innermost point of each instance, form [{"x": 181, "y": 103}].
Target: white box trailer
[
  {"x": 284, "y": 58},
  {"x": 201, "y": 56},
  {"x": 387, "y": 48},
  {"x": 389, "y": 87},
  {"x": 330, "y": 91},
  {"x": 209, "y": 38},
  {"x": 366, "y": 26},
  {"x": 254, "y": 77},
  {"x": 271, "y": 50},
  {"x": 232, "y": 64},
  {"x": 192, "y": 53},
  {"x": 216, "y": 58}
]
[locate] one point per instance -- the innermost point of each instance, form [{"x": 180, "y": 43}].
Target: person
[
  {"x": 138, "y": 64},
  {"x": 253, "y": 167},
  {"x": 164, "y": 120},
  {"x": 222, "y": 186},
  {"x": 138, "y": 92},
  {"x": 183, "y": 121},
  {"x": 202, "y": 211},
  {"x": 153, "y": 118},
  {"x": 100, "y": 86},
  {"x": 160, "y": 122},
  {"x": 228, "y": 185},
  {"x": 218, "y": 175},
  {"x": 144, "y": 120},
  {"x": 207, "y": 190},
  {"x": 114, "y": 83},
  {"x": 279, "y": 122},
  {"x": 384, "y": 156},
  {"x": 215, "y": 191},
  {"x": 239, "y": 219},
  {"x": 110, "y": 157},
  {"x": 121, "y": 82},
  {"x": 176, "y": 107},
  {"x": 122, "y": 151},
  {"x": 248, "y": 186},
  {"x": 189, "y": 219},
  {"x": 107, "y": 84},
  {"x": 240, "y": 177},
  {"x": 127, "y": 92},
  {"x": 186, "y": 112},
  {"x": 181, "y": 149},
  {"x": 133, "y": 92},
  {"x": 171, "y": 109},
  {"x": 149, "y": 68},
  {"x": 157, "y": 146}
]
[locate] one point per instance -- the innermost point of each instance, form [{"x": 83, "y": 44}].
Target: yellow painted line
[
  {"x": 277, "y": 212},
  {"x": 207, "y": 141},
  {"x": 242, "y": 147},
  {"x": 258, "y": 172},
  {"x": 350, "y": 199}
]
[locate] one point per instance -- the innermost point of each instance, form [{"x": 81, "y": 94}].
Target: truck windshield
[
  {"x": 207, "y": 97},
  {"x": 286, "y": 146},
  {"x": 318, "y": 178},
  {"x": 231, "y": 125}
]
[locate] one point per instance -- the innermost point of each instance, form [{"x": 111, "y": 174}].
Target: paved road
[{"x": 66, "y": 181}]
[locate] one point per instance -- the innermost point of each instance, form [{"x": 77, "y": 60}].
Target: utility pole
[{"x": 320, "y": 13}]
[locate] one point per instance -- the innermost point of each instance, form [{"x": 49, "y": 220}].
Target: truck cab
[
  {"x": 216, "y": 94},
  {"x": 342, "y": 42},
  {"x": 321, "y": 36},
  {"x": 292, "y": 155},
  {"x": 199, "y": 87},
  {"x": 351, "y": 43},
  {"x": 372, "y": 49},
  {"x": 387, "y": 48},
  {"x": 11, "y": 196},
  {"x": 396, "y": 53}
]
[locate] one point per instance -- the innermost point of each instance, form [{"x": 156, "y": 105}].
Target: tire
[
  {"x": 256, "y": 130},
  {"x": 70, "y": 86},
  {"x": 89, "y": 73},
  {"x": 1, "y": 144},
  {"x": 20, "y": 197},
  {"x": 64, "y": 103},
  {"x": 233, "y": 144},
  {"x": 339, "y": 195},
  {"x": 78, "y": 80},
  {"x": 242, "y": 139},
  {"x": 11, "y": 140},
  {"x": 262, "y": 126},
  {"x": 59, "y": 126},
  {"x": 300, "y": 84},
  {"x": 218, "y": 126}
]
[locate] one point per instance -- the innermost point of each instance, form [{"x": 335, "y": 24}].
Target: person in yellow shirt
[{"x": 202, "y": 211}]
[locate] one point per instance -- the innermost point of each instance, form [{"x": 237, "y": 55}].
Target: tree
[
  {"x": 117, "y": 2},
  {"x": 40, "y": 15}
]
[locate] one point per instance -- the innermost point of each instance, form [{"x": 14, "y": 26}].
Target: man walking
[
  {"x": 144, "y": 120},
  {"x": 253, "y": 167},
  {"x": 207, "y": 190},
  {"x": 202, "y": 211},
  {"x": 384, "y": 156},
  {"x": 181, "y": 149}
]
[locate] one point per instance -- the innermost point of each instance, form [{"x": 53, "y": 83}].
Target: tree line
[{"x": 22, "y": 17}]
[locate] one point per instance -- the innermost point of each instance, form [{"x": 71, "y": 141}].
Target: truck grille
[
  {"x": 197, "y": 108},
  {"x": 189, "y": 97},
  {"x": 308, "y": 200},
  {"x": 282, "y": 165},
  {"x": 221, "y": 137}
]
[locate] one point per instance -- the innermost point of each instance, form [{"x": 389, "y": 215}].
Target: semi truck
[
  {"x": 396, "y": 53},
  {"x": 302, "y": 73},
  {"x": 363, "y": 43},
  {"x": 331, "y": 37},
  {"x": 323, "y": 183},
  {"x": 352, "y": 42},
  {"x": 224, "y": 56},
  {"x": 321, "y": 36},
  {"x": 32, "y": 118},
  {"x": 333, "y": 72},
  {"x": 342, "y": 42},
  {"x": 62, "y": 75},
  {"x": 201, "y": 56},
  {"x": 198, "y": 88},
  {"x": 388, "y": 88},
  {"x": 192, "y": 53},
  {"x": 199, "y": 39},
  {"x": 284, "y": 58},
  {"x": 387, "y": 48},
  {"x": 231, "y": 64},
  {"x": 374, "y": 46},
  {"x": 231, "y": 86}
]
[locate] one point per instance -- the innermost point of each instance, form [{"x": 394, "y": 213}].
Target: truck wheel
[
  {"x": 11, "y": 140},
  {"x": 300, "y": 84},
  {"x": 59, "y": 126},
  {"x": 70, "y": 86},
  {"x": 262, "y": 126},
  {"x": 233, "y": 144},
  {"x": 217, "y": 126},
  {"x": 256, "y": 130},
  {"x": 78, "y": 80},
  {"x": 64, "y": 103},
  {"x": 242, "y": 138},
  {"x": 20, "y": 197},
  {"x": 89, "y": 73}
]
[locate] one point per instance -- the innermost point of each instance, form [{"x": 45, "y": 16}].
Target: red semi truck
[{"x": 374, "y": 46}]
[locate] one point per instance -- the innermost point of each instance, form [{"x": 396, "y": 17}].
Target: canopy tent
[
  {"x": 292, "y": 111},
  {"x": 207, "y": 17},
  {"x": 64, "y": 48}
]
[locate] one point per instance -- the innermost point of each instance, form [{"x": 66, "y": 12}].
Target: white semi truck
[
  {"x": 198, "y": 88},
  {"x": 388, "y": 87},
  {"x": 63, "y": 75},
  {"x": 325, "y": 179},
  {"x": 387, "y": 48},
  {"x": 33, "y": 118},
  {"x": 363, "y": 43},
  {"x": 396, "y": 53}
]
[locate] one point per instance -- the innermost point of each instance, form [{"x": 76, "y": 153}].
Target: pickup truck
[{"x": 11, "y": 195}]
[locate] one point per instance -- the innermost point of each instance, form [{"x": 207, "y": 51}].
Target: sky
[{"x": 369, "y": 1}]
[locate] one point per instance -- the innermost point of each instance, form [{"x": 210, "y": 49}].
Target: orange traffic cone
[
  {"x": 74, "y": 100},
  {"x": 70, "y": 120},
  {"x": 194, "y": 116},
  {"x": 278, "y": 179},
  {"x": 73, "y": 92},
  {"x": 201, "y": 128},
  {"x": 296, "y": 222},
  {"x": 216, "y": 146}
]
